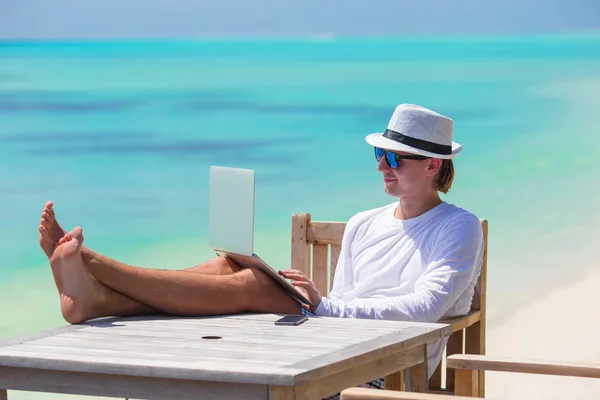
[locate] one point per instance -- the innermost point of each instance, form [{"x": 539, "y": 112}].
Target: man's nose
[{"x": 382, "y": 165}]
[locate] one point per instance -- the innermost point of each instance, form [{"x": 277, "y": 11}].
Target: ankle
[{"x": 87, "y": 255}]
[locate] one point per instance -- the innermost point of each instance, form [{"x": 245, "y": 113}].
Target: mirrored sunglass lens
[
  {"x": 391, "y": 159},
  {"x": 378, "y": 153}
]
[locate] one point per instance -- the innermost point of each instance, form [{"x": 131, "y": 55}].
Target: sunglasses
[{"x": 393, "y": 159}]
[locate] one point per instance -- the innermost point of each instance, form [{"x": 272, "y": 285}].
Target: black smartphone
[{"x": 291, "y": 320}]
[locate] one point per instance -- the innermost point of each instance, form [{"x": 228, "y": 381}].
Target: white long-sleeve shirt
[{"x": 419, "y": 269}]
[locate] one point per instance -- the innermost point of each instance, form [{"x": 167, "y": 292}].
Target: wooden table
[{"x": 226, "y": 357}]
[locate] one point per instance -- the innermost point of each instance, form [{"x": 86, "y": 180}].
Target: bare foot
[
  {"x": 50, "y": 231},
  {"x": 81, "y": 296}
]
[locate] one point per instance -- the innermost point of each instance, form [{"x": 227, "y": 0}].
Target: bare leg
[
  {"x": 215, "y": 266},
  {"x": 50, "y": 233},
  {"x": 54, "y": 232},
  {"x": 141, "y": 291},
  {"x": 81, "y": 296},
  {"x": 189, "y": 293}
]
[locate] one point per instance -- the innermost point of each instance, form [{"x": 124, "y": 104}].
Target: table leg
[
  {"x": 3, "y": 394},
  {"x": 395, "y": 381},
  {"x": 418, "y": 375},
  {"x": 280, "y": 393}
]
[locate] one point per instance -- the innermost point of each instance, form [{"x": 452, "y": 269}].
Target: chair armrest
[
  {"x": 463, "y": 321},
  {"x": 378, "y": 394},
  {"x": 542, "y": 367}
]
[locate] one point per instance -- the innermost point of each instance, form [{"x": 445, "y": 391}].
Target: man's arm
[{"x": 456, "y": 261}]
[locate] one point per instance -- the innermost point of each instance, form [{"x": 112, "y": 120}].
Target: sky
[{"x": 85, "y": 19}]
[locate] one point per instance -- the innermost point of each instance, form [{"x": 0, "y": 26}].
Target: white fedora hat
[{"x": 418, "y": 130}]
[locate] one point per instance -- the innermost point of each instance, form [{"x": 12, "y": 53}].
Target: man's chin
[{"x": 390, "y": 189}]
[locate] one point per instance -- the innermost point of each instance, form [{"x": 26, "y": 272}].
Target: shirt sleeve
[{"x": 454, "y": 264}]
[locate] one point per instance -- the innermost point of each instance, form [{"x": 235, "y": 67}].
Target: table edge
[
  {"x": 317, "y": 365},
  {"x": 283, "y": 376}
]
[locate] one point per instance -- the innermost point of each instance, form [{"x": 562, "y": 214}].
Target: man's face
[{"x": 410, "y": 178}]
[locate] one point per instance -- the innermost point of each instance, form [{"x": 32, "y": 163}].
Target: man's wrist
[{"x": 319, "y": 306}]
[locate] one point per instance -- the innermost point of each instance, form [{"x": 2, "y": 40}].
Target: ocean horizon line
[{"x": 312, "y": 37}]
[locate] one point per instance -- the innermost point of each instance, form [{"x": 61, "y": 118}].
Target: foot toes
[
  {"x": 46, "y": 215},
  {"x": 42, "y": 229},
  {"x": 77, "y": 232},
  {"x": 64, "y": 239}
]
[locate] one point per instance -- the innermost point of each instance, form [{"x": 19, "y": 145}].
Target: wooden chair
[
  {"x": 467, "y": 367},
  {"x": 376, "y": 394},
  {"x": 315, "y": 250}
]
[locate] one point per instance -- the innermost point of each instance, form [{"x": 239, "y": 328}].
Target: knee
[
  {"x": 226, "y": 265},
  {"x": 254, "y": 285},
  {"x": 262, "y": 294},
  {"x": 252, "y": 281}
]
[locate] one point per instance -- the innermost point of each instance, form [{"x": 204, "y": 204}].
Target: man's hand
[{"x": 303, "y": 285}]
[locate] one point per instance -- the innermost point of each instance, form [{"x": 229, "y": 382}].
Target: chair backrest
[{"x": 316, "y": 248}]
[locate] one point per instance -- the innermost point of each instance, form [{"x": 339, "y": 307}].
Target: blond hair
[{"x": 445, "y": 176}]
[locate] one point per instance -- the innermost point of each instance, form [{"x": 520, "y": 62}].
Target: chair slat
[
  {"x": 475, "y": 334},
  {"x": 325, "y": 232},
  {"x": 319, "y": 270},
  {"x": 479, "y": 296},
  {"x": 335, "y": 256},
  {"x": 300, "y": 247}
]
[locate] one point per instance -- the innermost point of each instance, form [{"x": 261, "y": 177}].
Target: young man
[{"x": 416, "y": 259}]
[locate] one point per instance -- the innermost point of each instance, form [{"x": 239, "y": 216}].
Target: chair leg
[
  {"x": 435, "y": 382},
  {"x": 465, "y": 383},
  {"x": 454, "y": 346},
  {"x": 475, "y": 344}
]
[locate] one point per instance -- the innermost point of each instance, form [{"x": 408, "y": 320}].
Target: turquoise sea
[{"x": 121, "y": 135}]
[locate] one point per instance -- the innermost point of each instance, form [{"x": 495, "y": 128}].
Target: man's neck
[{"x": 411, "y": 207}]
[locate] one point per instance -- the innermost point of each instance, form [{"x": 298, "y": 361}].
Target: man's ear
[{"x": 433, "y": 166}]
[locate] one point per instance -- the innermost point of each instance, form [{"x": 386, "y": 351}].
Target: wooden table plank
[
  {"x": 247, "y": 319},
  {"x": 189, "y": 349},
  {"x": 39, "y": 335},
  {"x": 239, "y": 372},
  {"x": 311, "y": 326},
  {"x": 119, "y": 386},
  {"x": 287, "y": 333},
  {"x": 98, "y": 340},
  {"x": 96, "y": 355}
]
